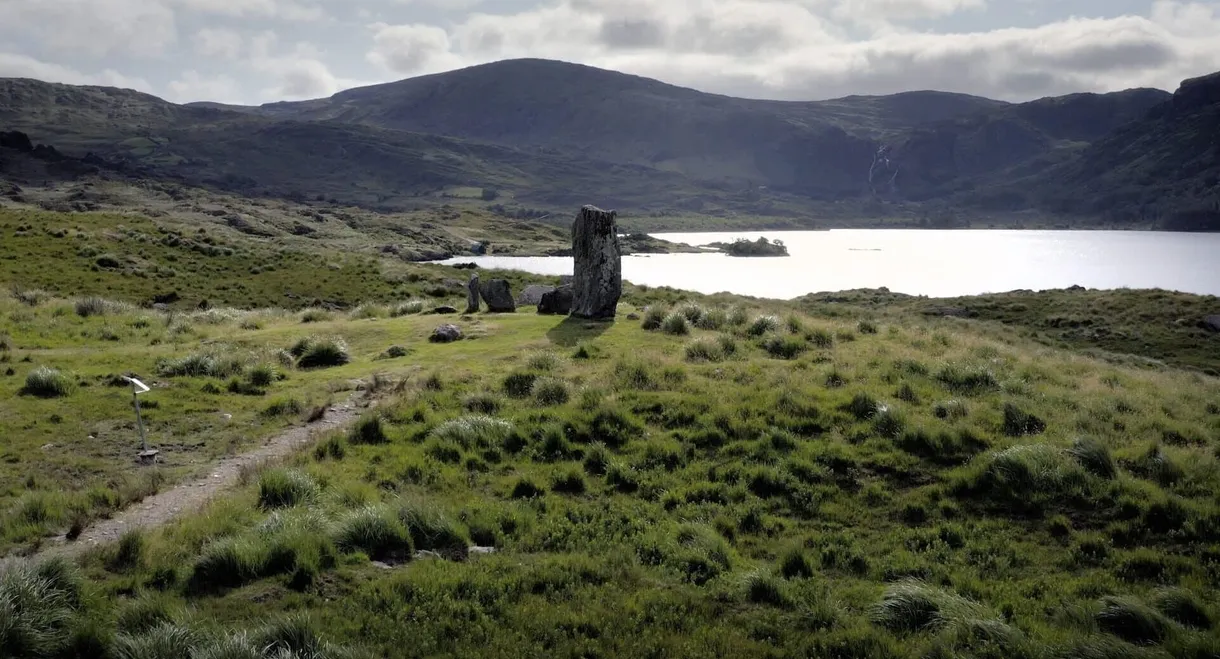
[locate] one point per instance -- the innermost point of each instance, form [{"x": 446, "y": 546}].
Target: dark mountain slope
[{"x": 1164, "y": 168}]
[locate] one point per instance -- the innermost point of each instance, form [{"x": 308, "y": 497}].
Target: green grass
[{"x": 938, "y": 488}]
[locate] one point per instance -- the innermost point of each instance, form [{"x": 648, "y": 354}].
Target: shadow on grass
[{"x": 574, "y": 330}]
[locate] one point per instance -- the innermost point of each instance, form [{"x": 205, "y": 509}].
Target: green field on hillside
[{"x": 841, "y": 476}]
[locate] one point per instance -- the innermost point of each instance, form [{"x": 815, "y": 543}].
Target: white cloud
[
  {"x": 289, "y": 10},
  {"x": 411, "y": 49},
  {"x": 13, "y": 65},
  {"x": 294, "y": 75},
  {"x": 193, "y": 86},
  {"x": 218, "y": 42},
  {"x": 93, "y": 27}
]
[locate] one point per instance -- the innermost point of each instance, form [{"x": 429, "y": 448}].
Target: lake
[{"x": 921, "y": 262}]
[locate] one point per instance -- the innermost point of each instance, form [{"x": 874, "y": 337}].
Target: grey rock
[
  {"x": 447, "y": 333},
  {"x": 1212, "y": 323},
  {"x": 444, "y": 310},
  {"x": 558, "y": 301},
  {"x": 532, "y": 295},
  {"x": 425, "y": 554},
  {"x": 472, "y": 294},
  {"x": 498, "y": 296},
  {"x": 481, "y": 550},
  {"x": 597, "y": 279}
]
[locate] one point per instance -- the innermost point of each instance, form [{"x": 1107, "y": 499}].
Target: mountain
[
  {"x": 550, "y": 135},
  {"x": 1163, "y": 169}
]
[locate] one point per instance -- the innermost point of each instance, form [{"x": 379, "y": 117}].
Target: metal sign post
[{"x": 137, "y": 388}]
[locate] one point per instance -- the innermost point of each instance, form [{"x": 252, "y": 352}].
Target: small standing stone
[
  {"x": 472, "y": 294},
  {"x": 532, "y": 295},
  {"x": 597, "y": 279},
  {"x": 498, "y": 296},
  {"x": 447, "y": 333},
  {"x": 558, "y": 301}
]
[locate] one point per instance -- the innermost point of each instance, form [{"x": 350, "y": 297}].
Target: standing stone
[
  {"x": 498, "y": 296},
  {"x": 558, "y": 301},
  {"x": 472, "y": 294},
  {"x": 597, "y": 279},
  {"x": 532, "y": 295}
]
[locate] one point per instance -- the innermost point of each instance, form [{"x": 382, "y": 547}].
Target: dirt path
[{"x": 191, "y": 496}]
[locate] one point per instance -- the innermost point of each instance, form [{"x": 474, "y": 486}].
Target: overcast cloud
[{"x": 255, "y": 51}]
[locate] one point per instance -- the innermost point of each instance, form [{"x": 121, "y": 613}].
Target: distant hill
[{"x": 549, "y": 135}]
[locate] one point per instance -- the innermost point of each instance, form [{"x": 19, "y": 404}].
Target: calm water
[{"x": 920, "y": 262}]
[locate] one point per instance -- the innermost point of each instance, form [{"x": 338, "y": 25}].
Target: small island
[{"x": 760, "y": 247}]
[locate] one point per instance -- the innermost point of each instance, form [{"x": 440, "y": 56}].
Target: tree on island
[{"x": 760, "y": 247}]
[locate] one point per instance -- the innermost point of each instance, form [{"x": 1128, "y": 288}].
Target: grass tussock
[
  {"x": 46, "y": 382},
  {"x": 281, "y": 488},
  {"x": 320, "y": 352}
]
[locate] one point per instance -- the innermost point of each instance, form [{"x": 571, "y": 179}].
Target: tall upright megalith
[
  {"x": 472, "y": 294},
  {"x": 597, "y": 278}
]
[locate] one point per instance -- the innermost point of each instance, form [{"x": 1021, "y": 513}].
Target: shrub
[
  {"x": 794, "y": 564},
  {"x": 763, "y": 325},
  {"x": 1032, "y": 476},
  {"x": 31, "y": 297},
  {"x": 164, "y": 640},
  {"x": 321, "y": 353},
  {"x": 635, "y": 375},
  {"x": 526, "y": 489},
  {"x": 866, "y": 327},
  {"x": 1132, "y": 620},
  {"x": 284, "y": 407},
  {"x": 951, "y": 410},
  {"x": 821, "y": 338},
  {"x": 597, "y": 459},
  {"x": 519, "y": 385},
  {"x": 551, "y": 391},
  {"x": 763, "y": 588},
  {"x": 907, "y": 394},
  {"x": 1018, "y": 423},
  {"x": 543, "y": 361},
  {"x": 888, "y": 423},
  {"x": 91, "y": 306},
  {"x": 227, "y": 563},
  {"x": 210, "y": 363},
  {"x": 863, "y": 407},
  {"x": 675, "y": 324},
  {"x": 727, "y": 344},
  {"x": 475, "y": 431},
  {"x": 570, "y": 482},
  {"x": 1183, "y": 607},
  {"x": 653, "y": 317},
  {"x": 395, "y": 352},
  {"x": 913, "y": 606},
  {"x": 691, "y": 311},
  {"x": 431, "y": 529},
  {"x": 45, "y": 382},
  {"x": 784, "y": 347},
  {"x": 1094, "y": 457},
  {"x": 333, "y": 447},
  {"x": 712, "y": 319},
  {"x": 282, "y": 488},
  {"x": 129, "y": 553},
  {"x": 967, "y": 381},
  {"x": 407, "y": 309},
  {"x": 368, "y": 311},
  {"x": 375, "y": 531},
  {"x": 368, "y": 430},
  {"x": 738, "y": 316},
  {"x": 482, "y": 404},
  {"x": 704, "y": 350},
  {"x": 262, "y": 375},
  {"x": 316, "y": 316}
]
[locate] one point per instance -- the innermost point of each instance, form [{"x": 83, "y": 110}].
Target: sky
[{"x": 257, "y": 51}]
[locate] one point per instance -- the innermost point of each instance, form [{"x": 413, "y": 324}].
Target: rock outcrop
[
  {"x": 556, "y": 301},
  {"x": 597, "y": 279},
  {"x": 1212, "y": 323},
  {"x": 498, "y": 296},
  {"x": 447, "y": 333},
  {"x": 473, "y": 297},
  {"x": 532, "y": 295}
]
